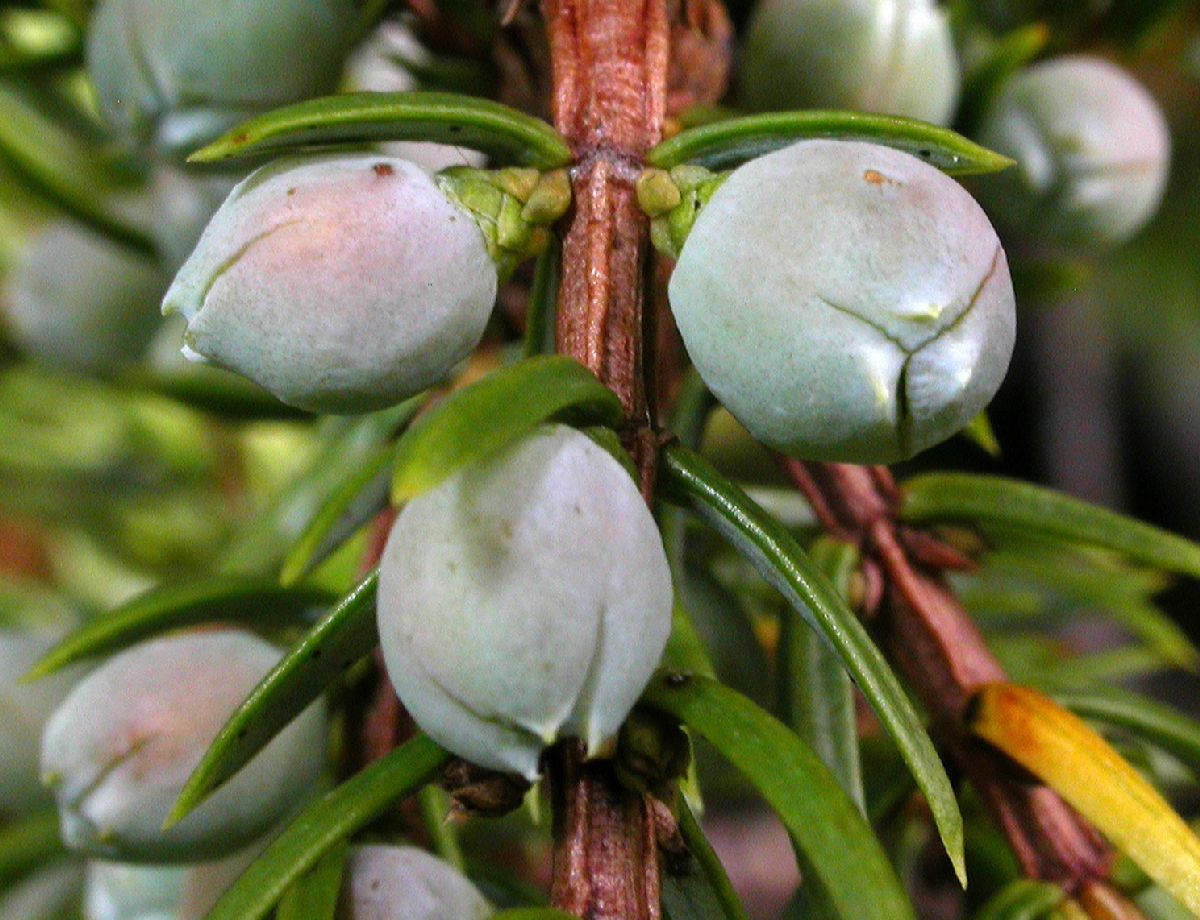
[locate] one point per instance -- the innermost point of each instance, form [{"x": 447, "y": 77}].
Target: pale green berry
[
  {"x": 119, "y": 749},
  {"x": 1092, "y": 152},
  {"x": 80, "y": 301},
  {"x": 176, "y": 73},
  {"x": 405, "y": 883},
  {"x": 892, "y": 57},
  {"x": 24, "y": 709},
  {"x": 340, "y": 284},
  {"x": 118, "y": 891},
  {"x": 845, "y": 302},
  {"x": 525, "y": 599}
]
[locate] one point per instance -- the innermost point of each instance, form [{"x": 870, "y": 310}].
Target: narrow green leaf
[
  {"x": 690, "y": 480},
  {"x": 480, "y": 419},
  {"x": 727, "y": 143},
  {"x": 1023, "y": 899},
  {"x": 979, "y": 432},
  {"x": 685, "y": 649},
  {"x": 220, "y": 599},
  {"x": 1154, "y": 722},
  {"x": 1043, "y": 512},
  {"x": 710, "y": 865},
  {"x": 58, "y": 167},
  {"x": 434, "y": 805},
  {"x": 543, "y": 301},
  {"x": 332, "y": 818},
  {"x": 33, "y": 40},
  {"x": 815, "y": 693},
  {"x": 347, "y": 443},
  {"x": 362, "y": 495},
  {"x": 843, "y": 862},
  {"x": 336, "y": 643},
  {"x": 27, "y": 843},
  {"x": 314, "y": 896},
  {"x": 505, "y": 134}
]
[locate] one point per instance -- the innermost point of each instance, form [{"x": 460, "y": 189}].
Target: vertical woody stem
[{"x": 609, "y": 61}]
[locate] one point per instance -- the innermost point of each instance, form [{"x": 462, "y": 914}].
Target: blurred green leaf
[
  {"x": 711, "y": 876},
  {"x": 36, "y": 39},
  {"x": 1021, "y": 506},
  {"x": 434, "y": 805},
  {"x": 843, "y": 862},
  {"x": 690, "y": 480},
  {"x": 816, "y": 695},
  {"x": 1006, "y": 55},
  {"x": 543, "y": 301},
  {"x": 26, "y": 844},
  {"x": 481, "y": 419},
  {"x": 346, "y": 444},
  {"x": 60, "y": 168},
  {"x": 213, "y": 390},
  {"x": 324, "y": 823},
  {"x": 314, "y": 895},
  {"x": 727, "y": 143},
  {"x": 1023, "y": 899},
  {"x": 505, "y": 134},
  {"x": 220, "y": 599},
  {"x": 337, "y": 642},
  {"x": 352, "y": 504},
  {"x": 1147, "y": 719}
]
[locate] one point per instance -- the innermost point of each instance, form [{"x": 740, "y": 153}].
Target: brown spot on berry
[
  {"x": 875, "y": 177},
  {"x": 383, "y": 169}
]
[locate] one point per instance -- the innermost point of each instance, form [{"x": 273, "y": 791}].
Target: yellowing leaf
[{"x": 1079, "y": 765}]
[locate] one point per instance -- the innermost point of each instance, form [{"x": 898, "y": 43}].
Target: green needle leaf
[
  {"x": 220, "y": 599},
  {"x": 505, "y": 134},
  {"x": 1023, "y": 899},
  {"x": 336, "y": 643},
  {"x": 712, "y": 873},
  {"x": 728, "y": 143},
  {"x": 57, "y": 166},
  {"x": 691, "y": 481},
  {"x": 1019, "y": 506},
  {"x": 324, "y": 823},
  {"x": 480, "y": 419},
  {"x": 844, "y": 864},
  {"x": 314, "y": 896},
  {"x": 352, "y": 504}
]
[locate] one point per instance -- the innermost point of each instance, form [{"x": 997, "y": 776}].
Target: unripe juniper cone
[
  {"x": 82, "y": 302},
  {"x": 845, "y": 302},
  {"x": 891, "y": 57},
  {"x": 1092, "y": 152},
  {"x": 176, "y": 73},
  {"x": 525, "y": 599},
  {"x": 119, "y": 749},
  {"x": 340, "y": 284},
  {"x": 405, "y": 883}
]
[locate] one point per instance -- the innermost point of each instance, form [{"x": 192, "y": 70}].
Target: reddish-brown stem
[
  {"x": 609, "y": 61},
  {"x": 938, "y": 648}
]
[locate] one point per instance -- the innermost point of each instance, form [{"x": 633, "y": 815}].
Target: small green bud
[
  {"x": 122, "y": 744},
  {"x": 80, "y": 301},
  {"x": 525, "y": 599},
  {"x": 892, "y": 57},
  {"x": 845, "y": 302},
  {"x": 340, "y": 284},
  {"x": 657, "y": 192},
  {"x": 652, "y": 752},
  {"x": 175, "y": 73},
  {"x": 1092, "y": 152},
  {"x": 405, "y": 883}
]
